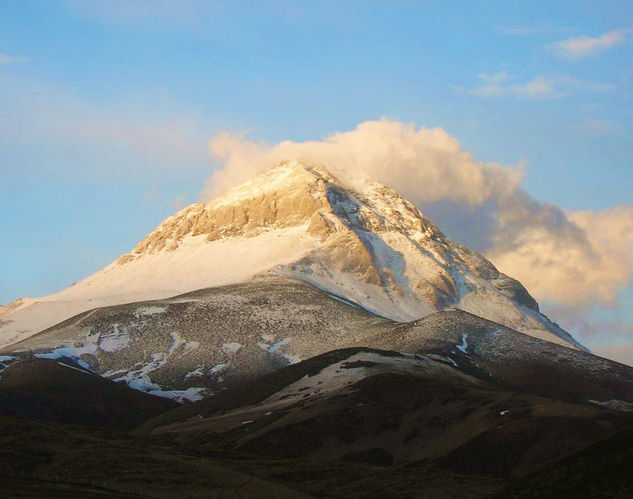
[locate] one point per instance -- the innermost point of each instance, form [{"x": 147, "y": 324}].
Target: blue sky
[{"x": 107, "y": 108}]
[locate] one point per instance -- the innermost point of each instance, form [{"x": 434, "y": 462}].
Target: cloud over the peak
[
  {"x": 585, "y": 46},
  {"x": 390, "y": 152},
  {"x": 569, "y": 258}
]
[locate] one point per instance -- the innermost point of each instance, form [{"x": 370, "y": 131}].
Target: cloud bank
[{"x": 569, "y": 258}]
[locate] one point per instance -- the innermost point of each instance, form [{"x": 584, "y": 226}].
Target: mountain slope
[
  {"x": 204, "y": 341},
  {"x": 384, "y": 408},
  {"x": 46, "y": 390},
  {"x": 516, "y": 361},
  {"x": 368, "y": 246}
]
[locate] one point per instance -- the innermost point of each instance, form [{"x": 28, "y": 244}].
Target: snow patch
[
  {"x": 114, "y": 341},
  {"x": 341, "y": 374},
  {"x": 76, "y": 368},
  {"x": 463, "y": 347},
  {"x": 145, "y": 311},
  {"x": 73, "y": 353},
  {"x": 139, "y": 379},
  {"x": 292, "y": 359},
  {"x": 276, "y": 346},
  {"x": 194, "y": 373},
  {"x": 192, "y": 394},
  {"x": 615, "y": 405},
  {"x": 231, "y": 348},
  {"x": 216, "y": 369}
]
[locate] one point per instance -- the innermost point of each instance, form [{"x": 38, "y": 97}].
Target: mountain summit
[{"x": 367, "y": 246}]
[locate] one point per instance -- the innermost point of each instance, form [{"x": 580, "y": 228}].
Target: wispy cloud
[
  {"x": 572, "y": 82},
  {"x": 594, "y": 126},
  {"x": 586, "y": 46},
  {"x": 540, "y": 87},
  {"x": 537, "y": 29},
  {"x": 500, "y": 84},
  {"x": 10, "y": 59}
]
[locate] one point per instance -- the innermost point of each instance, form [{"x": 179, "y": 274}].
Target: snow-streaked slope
[
  {"x": 372, "y": 248},
  {"x": 203, "y": 342},
  {"x": 197, "y": 264}
]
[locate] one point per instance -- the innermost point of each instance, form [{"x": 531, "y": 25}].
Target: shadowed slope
[
  {"x": 384, "y": 408},
  {"x": 46, "y": 390}
]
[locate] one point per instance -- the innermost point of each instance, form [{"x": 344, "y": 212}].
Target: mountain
[
  {"x": 366, "y": 245},
  {"x": 299, "y": 264},
  {"x": 302, "y": 334}
]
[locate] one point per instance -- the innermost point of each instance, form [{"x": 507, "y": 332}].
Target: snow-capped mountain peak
[{"x": 368, "y": 246}]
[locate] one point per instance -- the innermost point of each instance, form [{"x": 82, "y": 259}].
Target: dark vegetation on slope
[
  {"x": 601, "y": 470},
  {"x": 434, "y": 434},
  {"x": 252, "y": 393},
  {"x": 510, "y": 359},
  {"x": 72, "y": 456},
  {"x": 512, "y": 406},
  {"x": 48, "y": 390},
  {"x": 430, "y": 415}
]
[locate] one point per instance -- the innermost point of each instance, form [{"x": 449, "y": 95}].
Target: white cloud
[
  {"x": 540, "y": 87},
  {"x": 569, "y": 258},
  {"x": 427, "y": 165},
  {"x": 10, "y": 59},
  {"x": 585, "y": 46}
]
